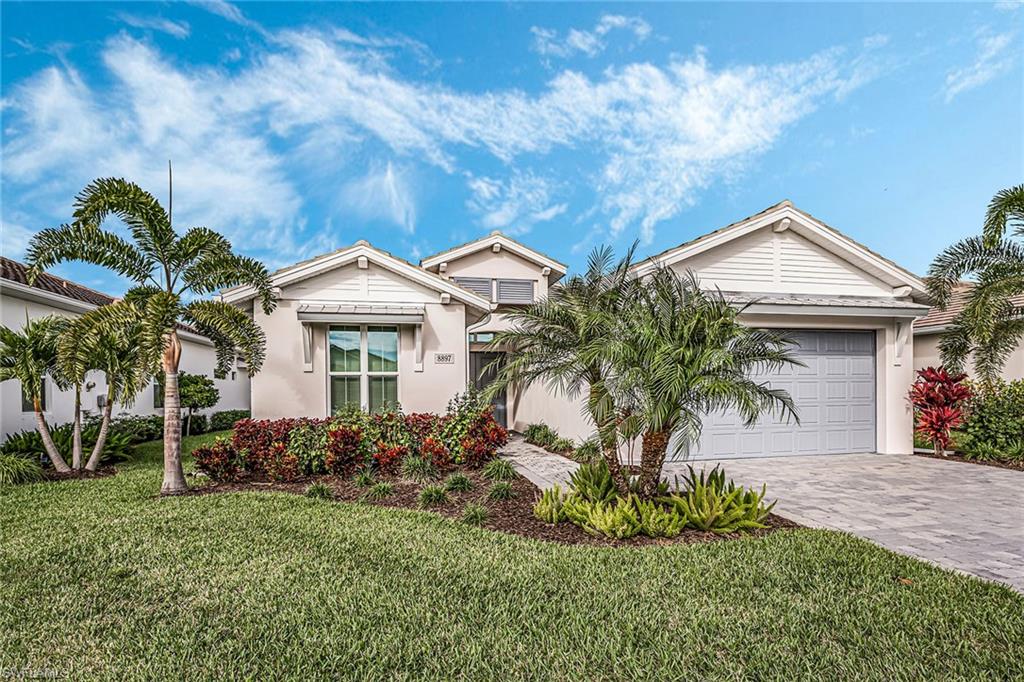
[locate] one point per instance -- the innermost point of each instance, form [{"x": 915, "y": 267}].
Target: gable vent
[
  {"x": 478, "y": 285},
  {"x": 515, "y": 290}
]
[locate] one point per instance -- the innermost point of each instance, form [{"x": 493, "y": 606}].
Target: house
[
  {"x": 928, "y": 331},
  {"x": 52, "y": 295},
  {"x": 360, "y": 326}
]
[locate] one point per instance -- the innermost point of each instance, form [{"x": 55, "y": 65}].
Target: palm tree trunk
[
  {"x": 101, "y": 437},
  {"x": 76, "y": 432},
  {"x": 44, "y": 432},
  {"x": 607, "y": 435},
  {"x": 652, "y": 457},
  {"x": 174, "y": 476}
]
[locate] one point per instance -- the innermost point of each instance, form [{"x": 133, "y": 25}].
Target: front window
[{"x": 363, "y": 366}]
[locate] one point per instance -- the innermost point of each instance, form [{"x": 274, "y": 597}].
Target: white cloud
[
  {"x": 178, "y": 29},
  {"x": 1008, "y": 5},
  {"x": 992, "y": 58},
  {"x": 590, "y": 42},
  {"x": 385, "y": 193},
  {"x": 14, "y": 239},
  {"x": 515, "y": 205}
]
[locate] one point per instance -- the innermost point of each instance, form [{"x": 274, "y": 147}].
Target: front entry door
[{"x": 478, "y": 361}]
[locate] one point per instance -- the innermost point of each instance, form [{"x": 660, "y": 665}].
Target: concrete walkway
[{"x": 961, "y": 516}]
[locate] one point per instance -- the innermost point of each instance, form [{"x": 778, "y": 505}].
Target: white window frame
[{"x": 364, "y": 372}]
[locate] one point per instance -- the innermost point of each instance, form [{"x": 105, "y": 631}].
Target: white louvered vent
[
  {"x": 515, "y": 291},
  {"x": 478, "y": 285}
]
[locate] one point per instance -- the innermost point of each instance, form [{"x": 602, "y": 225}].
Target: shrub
[
  {"x": 432, "y": 496},
  {"x": 200, "y": 424},
  {"x": 499, "y": 470},
  {"x": 483, "y": 440},
  {"x": 224, "y": 420},
  {"x": 938, "y": 398},
  {"x": 709, "y": 503},
  {"x": 1012, "y": 451},
  {"x": 307, "y": 442},
  {"x": 346, "y": 448},
  {"x": 588, "y": 451},
  {"x": 593, "y": 482},
  {"x": 29, "y": 444},
  {"x": 549, "y": 507},
  {"x": 540, "y": 435},
  {"x": 436, "y": 452},
  {"x": 458, "y": 483},
  {"x": 417, "y": 469},
  {"x": 387, "y": 458},
  {"x": 618, "y": 520},
  {"x": 219, "y": 460},
  {"x": 388, "y": 430},
  {"x": 138, "y": 428},
  {"x": 319, "y": 491},
  {"x": 502, "y": 490},
  {"x": 261, "y": 442},
  {"x": 656, "y": 521},
  {"x": 421, "y": 425},
  {"x": 469, "y": 430},
  {"x": 562, "y": 445},
  {"x": 995, "y": 417},
  {"x": 475, "y": 514},
  {"x": 378, "y": 491},
  {"x": 15, "y": 469},
  {"x": 364, "y": 477}
]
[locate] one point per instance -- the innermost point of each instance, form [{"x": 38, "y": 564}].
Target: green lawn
[{"x": 101, "y": 579}]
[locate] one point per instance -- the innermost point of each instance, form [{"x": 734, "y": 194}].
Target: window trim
[{"x": 364, "y": 373}]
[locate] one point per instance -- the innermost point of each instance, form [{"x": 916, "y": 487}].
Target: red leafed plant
[
  {"x": 938, "y": 398},
  {"x": 345, "y": 449},
  {"x": 219, "y": 460},
  {"x": 388, "y": 457},
  {"x": 436, "y": 452}
]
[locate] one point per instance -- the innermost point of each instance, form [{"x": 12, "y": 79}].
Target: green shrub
[
  {"x": 588, "y": 451},
  {"x": 474, "y": 514},
  {"x": 502, "y": 490},
  {"x": 593, "y": 482},
  {"x": 550, "y": 505},
  {"x": 15, "y": 469},
  {"x": 418, "y": 470},
  {"x": 432, "y": 496},
  {"x": 1012, "y": 451},
  {"x": 995, "y": 417},
  {"x": 657, "y": 521},
  {"x": 458, "y": 483},
  {"x": 499, "y": 470},
  {"x": 224, "y": 420},
  {"x": 117, "y": 448},
  {"x": 709, "y": 503},
  {"x": 364, "y": 478},
  {"x": 319, "y": 491},
  {"x": 138, "y": 428},
  {"x": 540, "y": 435},
  {"x": 379, "y": 491},
  {"x": 618, "y": 520},
  {"x": 562, "y": 445},
  {"x": 307, "y": 442}
]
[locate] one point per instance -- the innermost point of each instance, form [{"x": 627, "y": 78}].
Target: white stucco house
[
  {"x": 362, "y": 326},
  {"x": 52, "y": 295}
]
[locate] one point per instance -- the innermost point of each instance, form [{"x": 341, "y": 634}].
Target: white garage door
[{"x": 834, "y": 396}]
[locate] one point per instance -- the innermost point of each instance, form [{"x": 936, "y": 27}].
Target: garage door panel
[{"x": 834, "y": 396}]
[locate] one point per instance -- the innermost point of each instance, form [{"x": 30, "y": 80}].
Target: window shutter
[
  {"x": 478, "y": 285},
  {"x": 515, "y": 290}
]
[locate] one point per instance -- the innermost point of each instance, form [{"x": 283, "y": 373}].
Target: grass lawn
[{"x": 101, "y": 579}]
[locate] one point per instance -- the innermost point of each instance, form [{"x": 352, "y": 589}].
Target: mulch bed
[
  {"x": 1017, "y": 465},
  {"x": 513, "y": 516},
  {"x": 79, "y": 475}
]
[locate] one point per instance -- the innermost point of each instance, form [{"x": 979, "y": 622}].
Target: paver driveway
[{"x": 962, "y": 516}]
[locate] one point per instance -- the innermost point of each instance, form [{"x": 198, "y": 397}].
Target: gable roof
[
  {"x": 488, "y": 242},
  {"x": 808, "y": 227},
  {"x": 13, "y": 271},
  {"x": 350, "y": 254},
  {"x": 938, "y": 320}
]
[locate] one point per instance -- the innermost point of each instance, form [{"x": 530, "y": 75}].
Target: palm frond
[
  {"x": 1005, "y": 211},
  {"x": 232, "y": 330},
  {"x": 89, "y": 244},
  {"x": 222, "y": 269},
  {"x": 138, "y": 209}
]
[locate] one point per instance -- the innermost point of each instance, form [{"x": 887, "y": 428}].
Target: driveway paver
[{"x": 961, "y": 516}]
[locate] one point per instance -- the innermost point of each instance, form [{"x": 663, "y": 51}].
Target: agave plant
[{"x": 171, "y": 273}]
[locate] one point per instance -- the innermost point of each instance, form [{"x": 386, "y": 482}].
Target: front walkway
[{"x": 960, "y": 516}]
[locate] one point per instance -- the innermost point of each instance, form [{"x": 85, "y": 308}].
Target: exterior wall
[
  {"x": 283, "y": 389},
  {"x": 538, "y": 403},
  {"x": 926, "y": 354},
  {"x": 780, "y": 262},
  {"x": 196, "y": 358}
]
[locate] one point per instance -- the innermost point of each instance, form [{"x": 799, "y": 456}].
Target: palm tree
[
  {"x": 558, "y": 341},
  {"x": 171, "y": 272},
  {"x": 28, "y": 356},
  {"x": 87, "y": 344},
  {"x": 990, "y": 325},
  {"x": 680, "y": 353}
]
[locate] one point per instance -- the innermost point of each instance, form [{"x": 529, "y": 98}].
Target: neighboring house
[
  {"x": 361, "y": 327},
  {"x": 928, "y": 330},
  {"x": 51, "y": 295}
]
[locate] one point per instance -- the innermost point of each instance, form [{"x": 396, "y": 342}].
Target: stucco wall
[{"x": 926, "y": 354}]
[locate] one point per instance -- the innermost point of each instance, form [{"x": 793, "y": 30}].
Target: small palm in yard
[
  {"x": 170, "y": 272},
  {"x": 990, "y": 326},
  {"x": 499, "y": 470}
]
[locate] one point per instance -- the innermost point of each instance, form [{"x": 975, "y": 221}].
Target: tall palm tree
[
  {"x": 679, "y": 354},
  {"x": 991, "y": 324},
  {"x": 558, "y": 341},
  {"x": 171, "y": 272},
  {"x": 28, "y": 356},
  {"x": 87, "y": 344}
]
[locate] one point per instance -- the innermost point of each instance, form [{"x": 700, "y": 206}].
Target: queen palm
[
  {"x": 558, "y": 341},
  {"x": 678, "y": 354},
  {"x": 171, "y": 273},
  {"x": 990, "y": 325}
]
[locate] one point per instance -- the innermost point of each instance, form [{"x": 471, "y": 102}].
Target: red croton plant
[{"x": 938, "y": 398}]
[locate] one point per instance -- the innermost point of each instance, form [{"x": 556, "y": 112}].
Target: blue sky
[{"x": 298, "y": 128}]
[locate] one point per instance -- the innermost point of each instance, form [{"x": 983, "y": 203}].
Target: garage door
[{"x": 834, "y": 396}]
